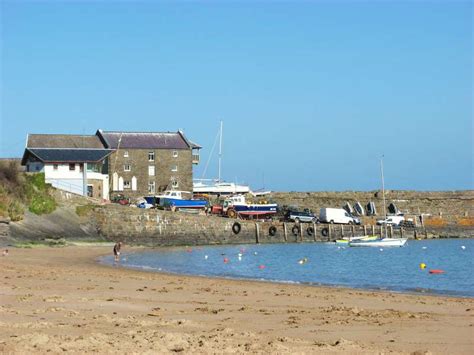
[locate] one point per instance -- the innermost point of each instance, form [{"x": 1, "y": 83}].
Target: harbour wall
[{"x": 166, "y": 228}]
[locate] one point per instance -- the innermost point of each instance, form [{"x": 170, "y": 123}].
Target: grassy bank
[{"x": 20, "y": 191}]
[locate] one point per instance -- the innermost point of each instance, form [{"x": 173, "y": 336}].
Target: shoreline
[
  {"x": 407, "y": 291},
  {"x": 63, "y": 298}
]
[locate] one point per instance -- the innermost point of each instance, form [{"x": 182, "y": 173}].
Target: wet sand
[{"x": 61, "y": 299}]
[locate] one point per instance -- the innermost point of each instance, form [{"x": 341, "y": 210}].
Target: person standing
[{"x": 117, "y": 248}]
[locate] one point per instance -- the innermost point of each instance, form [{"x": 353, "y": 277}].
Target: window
[
  {"x": 175, "y": 153},
  {"x": 174, "y": 183},
  {"x": 151, "y": 156},
  {"x": 125, "y": 154},
  {"x": 151, "y": 187},
  {"x": 174, "y": 168},
  {"x": 72, "y": 167},
  {"x": 151, "y": 170},
  {"x": 55, "y": 166},
  {"x": 126, "y": 184},
  {"x": 127, "y": 167}
]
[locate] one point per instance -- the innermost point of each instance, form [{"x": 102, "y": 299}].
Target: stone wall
[
  {"x": 452, "y": 207},
  {"x": 163, "y": 163},
  {"x": 166, "y": 228}
]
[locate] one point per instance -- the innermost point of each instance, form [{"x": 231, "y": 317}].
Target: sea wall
[
  {"x": 441, "y": 208},
  {"x": 166, "y": 228}
]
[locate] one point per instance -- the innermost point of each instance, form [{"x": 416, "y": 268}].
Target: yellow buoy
[{"x": 422, "y": 266}]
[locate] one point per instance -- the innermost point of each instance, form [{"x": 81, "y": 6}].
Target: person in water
[{"x": 117, "y": 248}]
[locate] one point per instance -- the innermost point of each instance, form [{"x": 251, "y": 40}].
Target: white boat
[
  {"x": 384, "y": 242},
  {"x": 347, "y": 241},
  {"x": 217, "y": 186},
  {"x": 380, "y": 242}
]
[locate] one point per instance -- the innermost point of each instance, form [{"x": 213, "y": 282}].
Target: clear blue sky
[{"x": 311, "y": 93}]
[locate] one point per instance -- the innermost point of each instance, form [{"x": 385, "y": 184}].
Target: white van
[{"x": 337, "y": 215}]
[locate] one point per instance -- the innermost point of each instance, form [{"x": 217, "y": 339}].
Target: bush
[
  {"x": 16, "y": 211},
  {"x": 42, "y": 204}
]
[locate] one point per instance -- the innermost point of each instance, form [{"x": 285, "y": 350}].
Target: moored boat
[
  {"x": 364, "y": 237},
  {"x": 380, "y": 242}
]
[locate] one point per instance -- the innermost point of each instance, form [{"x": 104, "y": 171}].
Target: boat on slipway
[
  {"x": 217, "y": 186},
  {"x": 176, "y": 199},
  {"x": 237, "y": 206}
]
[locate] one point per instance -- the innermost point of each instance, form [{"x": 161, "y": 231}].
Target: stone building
[
  {"x": 144, "y": 163},
  {"x": 134, "y": 164}
]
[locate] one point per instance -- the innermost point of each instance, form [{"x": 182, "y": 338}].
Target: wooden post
[
  {"x": 390, "y": 230},
  {"x": 329, "y": 231},
  {"x": 365, "y": 230},
  {"x": 373, "y": 229},
  {"x": 342, "y": 231},
  {"x": 257, "y": 232},
  {"x": 301, "y": 231},
  {"x": 314, "y": 231},
  {"x": 353, "y": 231},
  {"x": 285, "y": 232},
  {"x": 401, "y": 232},
  {"x": 381, "y": 231}
]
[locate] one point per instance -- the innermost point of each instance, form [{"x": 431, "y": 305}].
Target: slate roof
[
  {"x": 145, "y": 140},
  {"x": 63, "y": 141},
  {"x": 51, "y": 155}
]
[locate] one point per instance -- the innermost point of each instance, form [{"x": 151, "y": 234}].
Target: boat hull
[
  {"x": 256, "y": 210},
  {"x": 385, "y": 242},
  {"x": 365, "y": 238}
]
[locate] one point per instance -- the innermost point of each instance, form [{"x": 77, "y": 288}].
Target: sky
[{"x": 311, "y": 93}]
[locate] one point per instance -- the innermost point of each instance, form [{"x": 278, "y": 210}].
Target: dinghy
[{"x": 358, "y": 209}]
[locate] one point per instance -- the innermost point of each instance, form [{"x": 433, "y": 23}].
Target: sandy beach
[{"x": 61, "y": 299}]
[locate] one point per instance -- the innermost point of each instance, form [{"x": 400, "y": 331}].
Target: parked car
[
  {"x": 301, "y": 216},
  {"x": 391, "y": 220},
  {"x": 337, "y": 215}
]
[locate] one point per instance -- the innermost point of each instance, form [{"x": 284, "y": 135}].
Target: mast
[
  {"x": 220, "y": 152},
  {"x": 383, "y": 194}
]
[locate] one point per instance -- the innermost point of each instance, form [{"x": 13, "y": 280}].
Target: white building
[{"x": 78, "y": 165}]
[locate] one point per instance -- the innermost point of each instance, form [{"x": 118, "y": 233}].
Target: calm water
[{"x": 394, "y": 269}]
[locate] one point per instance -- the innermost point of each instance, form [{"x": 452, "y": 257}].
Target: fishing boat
[
  {"x": 176, "y": 199},
  {"x": 237, "y": 205},
  {"x": 381, "y": 241},
  {"x": 217, "y": 186}
]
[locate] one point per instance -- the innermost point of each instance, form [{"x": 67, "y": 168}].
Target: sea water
[{"x": 395, "y": 268}]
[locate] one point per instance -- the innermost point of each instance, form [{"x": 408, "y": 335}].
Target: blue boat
[
  {"x": 237, "y": 206},
  {"x": 175, "y": 199}
]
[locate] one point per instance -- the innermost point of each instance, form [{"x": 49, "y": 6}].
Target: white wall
[{"x": 72, "y": 180}]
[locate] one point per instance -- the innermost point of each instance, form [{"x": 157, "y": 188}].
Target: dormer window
[
  {"x": 125, "y": 154},
  {"x": 175, "y": 153}
]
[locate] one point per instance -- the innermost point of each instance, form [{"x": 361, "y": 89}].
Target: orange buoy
[
  {"x": 226, "y": 260},
  {"x": 436, "y": 271},
  {"x": 261, "y": 267}
]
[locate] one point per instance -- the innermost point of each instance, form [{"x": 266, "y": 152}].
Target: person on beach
[
  {"x": 5, "y": 252},
  {"x": 117, "y": 248}
]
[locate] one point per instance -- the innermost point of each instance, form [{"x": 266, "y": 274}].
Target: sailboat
[
  {"x": 217, "y": 186},
  {"x": 380, "y": 242}
]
